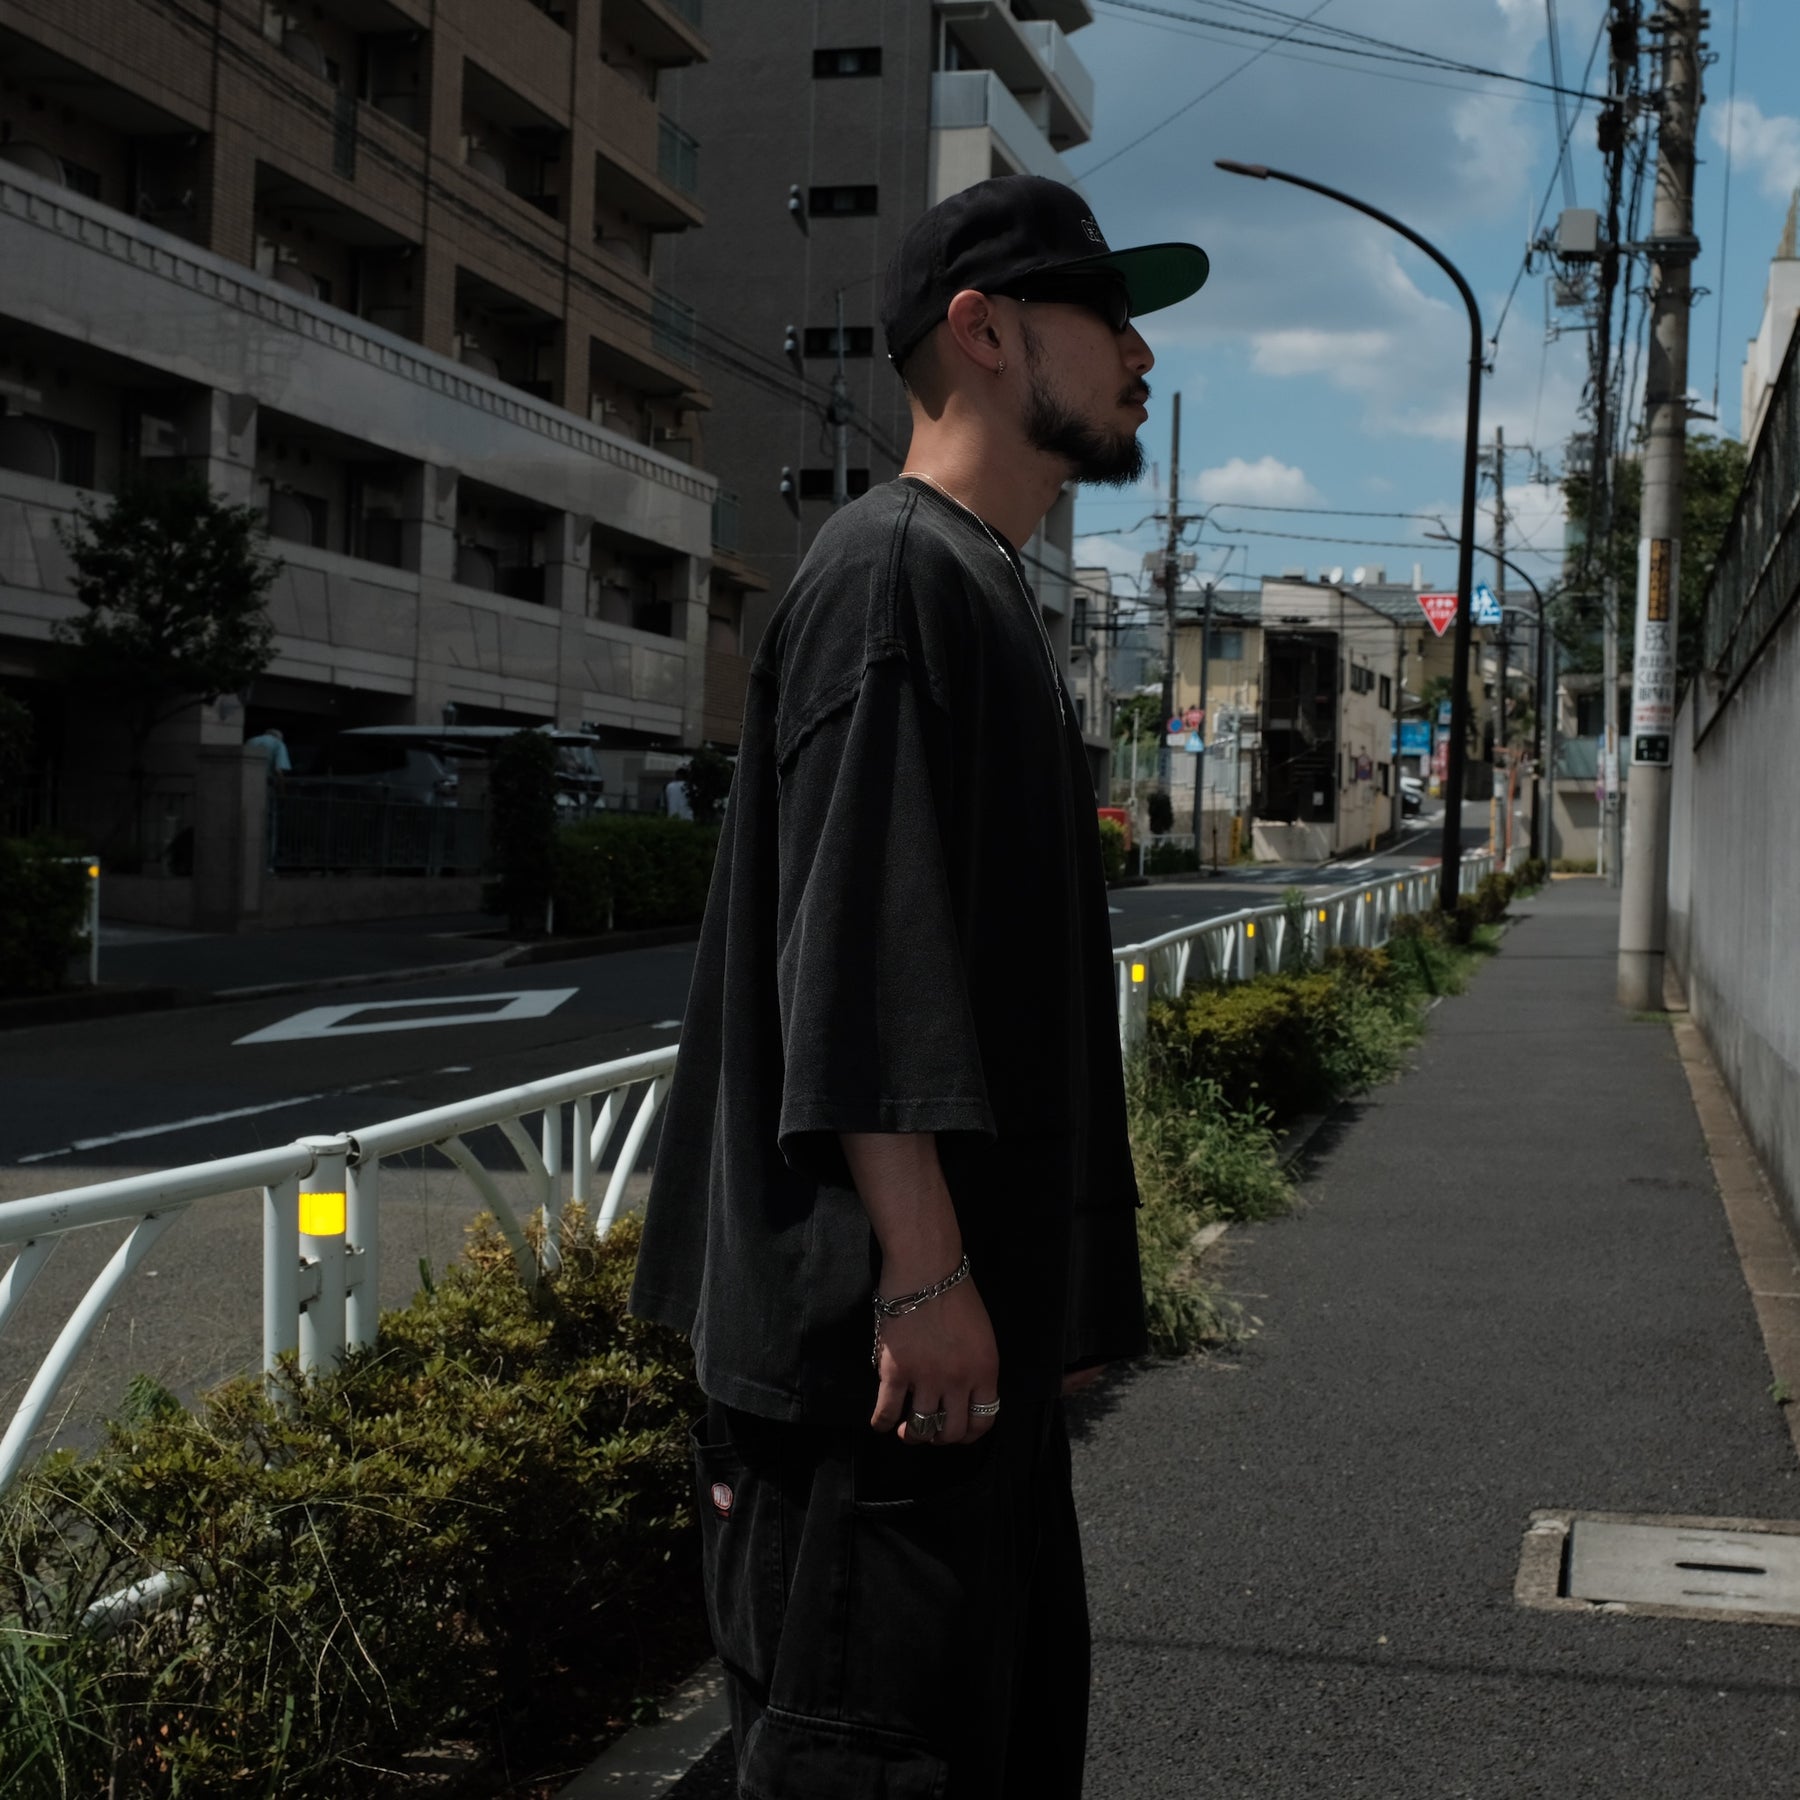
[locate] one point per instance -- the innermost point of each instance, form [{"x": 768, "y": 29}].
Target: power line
[
  {"x": 1725, "y": 219},
  {"x": 1204, "y": 94},
  {"x": 1353, "y": 44}
]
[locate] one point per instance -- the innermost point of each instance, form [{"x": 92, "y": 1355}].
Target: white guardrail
[
  {"x": 1242, "y": 945},
  {"x": 321, "y": 1206},
  {"x": 321, "y": 1196}
]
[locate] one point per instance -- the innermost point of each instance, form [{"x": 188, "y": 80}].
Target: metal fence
[
  {"x": 320, "y": 1200},
  {"x": 1261, "y": 940},
  {"x": 1757, "y": 575},
  {"x": 320, "y": 833}
]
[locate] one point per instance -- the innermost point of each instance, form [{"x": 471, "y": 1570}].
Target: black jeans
[{"x": 897, "y": 1622}]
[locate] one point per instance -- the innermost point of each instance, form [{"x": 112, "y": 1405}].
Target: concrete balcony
[
  {"x": 978, "y": 129},
  {"x": 668, "y": 32},
  {"x": 644, "y": 163},
  {"x": 175, "y": 312},
  {"x": 1035, "y": 61}
]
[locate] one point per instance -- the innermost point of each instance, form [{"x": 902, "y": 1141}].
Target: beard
[{"x": 1098, "y": 457}]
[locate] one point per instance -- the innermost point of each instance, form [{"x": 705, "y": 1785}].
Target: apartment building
[
  {"x": 846, "y": 119},
  {"x": 1326, "y": 779},
  {"x": 387, "y": 269}
]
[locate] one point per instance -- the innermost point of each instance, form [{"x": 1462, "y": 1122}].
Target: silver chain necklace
[{"x": 1031, "y": 606}]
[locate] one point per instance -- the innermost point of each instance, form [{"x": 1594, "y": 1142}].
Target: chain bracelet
[{"x": 902, "y": 1304}]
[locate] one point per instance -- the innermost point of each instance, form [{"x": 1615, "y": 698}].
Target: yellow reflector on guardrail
[
  {"x": 1321, "y": 915},
  {"x": 1249, "y": 928},
  {"x": 93, "y": 871},
  {"x": 322, "y": 1215},
  {"x": 1138, "y": 971}
]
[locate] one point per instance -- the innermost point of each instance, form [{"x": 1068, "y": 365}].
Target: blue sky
[{"x": 1324, "y": 363}]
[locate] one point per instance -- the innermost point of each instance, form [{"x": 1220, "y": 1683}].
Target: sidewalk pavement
[{"x": 1510, "y": 1286}]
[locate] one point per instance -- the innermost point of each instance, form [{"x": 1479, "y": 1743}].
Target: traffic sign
[
  {"x": 1173, "y": 727},
  {"x": 1486, "y": 610},
  {"x": 1195, "y": 747},
  {"x": 1191, "y": 718},
  {"x": 1440, "y": 609}
]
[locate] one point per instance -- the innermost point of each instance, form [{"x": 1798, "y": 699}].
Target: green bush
[
  {"x": 43, "y": 906},
  {"x": 629, "y": 870},
  {"x": 1112, "y": 848},
  {"x": 1171, "y": 859},
  {"x": 1575, "y": 865},
  {"x": 1531, "y": 875},
  {"x": 479, "y": 1530},
  {"x": 1492, "y": 898}
]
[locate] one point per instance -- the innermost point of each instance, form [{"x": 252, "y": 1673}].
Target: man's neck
[{"x": 1006, "y": 484}]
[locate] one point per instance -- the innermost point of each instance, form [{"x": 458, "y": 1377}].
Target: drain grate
[
  {"x": 1725, "y": 1569},
  {"x": 1679, "y": 1565}
]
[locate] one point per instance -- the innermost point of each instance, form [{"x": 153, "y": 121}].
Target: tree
[
  {"x": 522, "y": 808},
  {"x": 1715, "y": 478},
  {"x": 707, "y": 777},
  {"x": 171, "y": 582},
  {"x": 1137, "y": 716}
]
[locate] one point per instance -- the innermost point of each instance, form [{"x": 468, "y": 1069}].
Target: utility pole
[
  {"x": 1499, "y": 819},
  {"x": 1205, "y": 727},
  {"x": 1644, "y": 904},
  {"x": 839, "y": 414},
  {"x": 1171, "y": 578}
]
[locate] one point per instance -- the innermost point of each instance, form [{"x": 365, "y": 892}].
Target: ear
[{"x": 974, "y": 329}]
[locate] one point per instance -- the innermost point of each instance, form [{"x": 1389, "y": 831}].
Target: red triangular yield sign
[{"x": 1440, "y": 609}]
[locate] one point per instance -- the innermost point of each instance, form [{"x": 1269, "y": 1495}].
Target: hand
[{"x": 942, "y": 1356}]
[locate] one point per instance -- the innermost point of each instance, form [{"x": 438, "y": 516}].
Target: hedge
[
  {"x": 479, "y": 1531},
  {"x": 43, "y": 906},
  {"x": 1112, "y": 848},
  {"x": 624, "y": 871}
]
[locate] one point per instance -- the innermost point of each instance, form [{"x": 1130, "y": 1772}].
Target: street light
[
  {"x": 1546, "y": 698},
  {"x": 1449, "y": 874}
]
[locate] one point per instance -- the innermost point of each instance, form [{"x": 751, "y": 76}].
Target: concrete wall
[{"x": 1733, "y": 880}]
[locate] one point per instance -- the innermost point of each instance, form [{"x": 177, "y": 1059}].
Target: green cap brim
[{"x": 1155, "y": 275}]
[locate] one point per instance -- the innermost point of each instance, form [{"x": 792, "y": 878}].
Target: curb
[
  {"x": 90, "y": 1003},
  {"x": 651, "y": 1759}
]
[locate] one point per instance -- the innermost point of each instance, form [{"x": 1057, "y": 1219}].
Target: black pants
[{"x": 898, "y": 1622}]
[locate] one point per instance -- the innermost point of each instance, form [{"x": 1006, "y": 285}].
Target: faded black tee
[{"x": 907, "y": 932}]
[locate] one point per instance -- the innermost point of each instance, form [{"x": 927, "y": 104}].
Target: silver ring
[
  {"x": 925, "y": 1426},
  {"x": 978, "y": 1411}
]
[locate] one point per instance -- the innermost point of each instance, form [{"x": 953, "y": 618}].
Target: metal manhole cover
[{"x": 1726, "y": 1569}]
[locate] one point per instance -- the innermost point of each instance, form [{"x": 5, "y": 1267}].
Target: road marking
[
  {"x": 236, "y": 1112},
  {"x": 329, "y": 1021}
]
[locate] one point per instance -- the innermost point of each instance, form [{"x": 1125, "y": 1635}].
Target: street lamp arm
[{"x": 1450, "y": 871}]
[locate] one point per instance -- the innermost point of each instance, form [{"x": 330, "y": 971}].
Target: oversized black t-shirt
[{"x": 907, "y": 931}]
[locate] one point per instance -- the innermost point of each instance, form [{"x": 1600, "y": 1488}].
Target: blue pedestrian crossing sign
[{"x": 1486, "y": 608}]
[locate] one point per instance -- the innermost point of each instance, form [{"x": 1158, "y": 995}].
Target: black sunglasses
[{"x": 1107, "y": 299}]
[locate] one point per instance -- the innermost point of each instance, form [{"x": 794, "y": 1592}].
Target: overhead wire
[
  {"x": 1205, "y": 93},
  {"x": 1351, "y": 44},
  {"x": 1725, "y": 210}
]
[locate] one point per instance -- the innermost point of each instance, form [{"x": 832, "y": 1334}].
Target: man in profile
[{"x": 894, "y": 1205}]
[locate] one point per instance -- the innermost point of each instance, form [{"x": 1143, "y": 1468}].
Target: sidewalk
[{"x": 1511, "y": 1286}]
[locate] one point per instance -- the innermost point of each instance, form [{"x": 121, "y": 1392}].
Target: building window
[
  {"x": 848, "y": 202},
  {"x": 1387, "y": 698},
  {"x": 821, "y": 340},
  {"x": 830, "y": 64},
  {"x": 1225, "y": 646},
  {"x": 817, "y": 484},
  {"x": 1383, "y": 771}
]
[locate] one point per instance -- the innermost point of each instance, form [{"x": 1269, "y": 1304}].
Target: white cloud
[
  {"x": 1122, "y": 560},
  {"x": 1265, "y": 482},
  {"x": 1768, "y": 144},
  {"x": 1344, "y": 356}
]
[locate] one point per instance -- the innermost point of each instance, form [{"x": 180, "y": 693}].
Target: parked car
[{"x": 355, "y": 767}]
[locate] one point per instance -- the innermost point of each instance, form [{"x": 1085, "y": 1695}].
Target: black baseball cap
[{"x": 1001, "y": 234}]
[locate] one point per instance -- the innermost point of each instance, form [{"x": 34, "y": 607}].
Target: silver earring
[{"x": 1002, "y": 368}]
